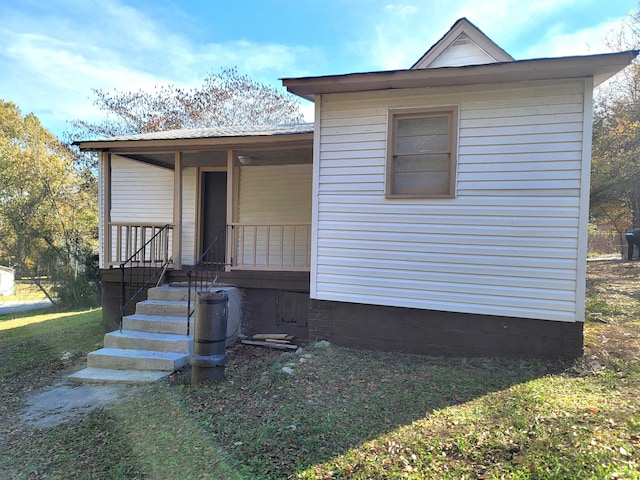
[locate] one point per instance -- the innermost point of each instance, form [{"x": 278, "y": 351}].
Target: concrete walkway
[{"x": 13, "y": 307}]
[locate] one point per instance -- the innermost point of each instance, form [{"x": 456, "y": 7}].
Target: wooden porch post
[
  {"x": 106, "y": 209},
  {"x": 230, "y": 208},
  {"x": 177, "y": 212}
]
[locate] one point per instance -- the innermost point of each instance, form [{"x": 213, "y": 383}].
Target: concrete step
[
  {"x": 156, "y": 324},
  {"x": 106, "y": 375},
  {"x": 171, "y": 308},
  {"x": 126, "y": 359},
  {"x": 167, "y": 292},
  {"x": 160, "y": 342}
]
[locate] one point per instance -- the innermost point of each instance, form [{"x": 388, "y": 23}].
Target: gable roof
[
  {"x": 463, "y": 44},
  {"x": 599, "y": 67}
]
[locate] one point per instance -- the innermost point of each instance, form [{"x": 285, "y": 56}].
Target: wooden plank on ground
[
  {"x": 264, "y": 336},
  {"x": 280, "y": 346}
]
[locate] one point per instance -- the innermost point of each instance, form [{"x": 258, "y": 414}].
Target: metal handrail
[
  {"x": 205, "y": 271},
  {"x": 147, "y": 264}
]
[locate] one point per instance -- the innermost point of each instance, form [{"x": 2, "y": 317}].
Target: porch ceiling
[{"x": 218, "y": 158}]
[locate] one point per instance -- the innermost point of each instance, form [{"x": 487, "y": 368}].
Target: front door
[{"x": 214, "y": 208}]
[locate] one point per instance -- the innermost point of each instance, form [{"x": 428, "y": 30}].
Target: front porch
[
  {"x": 249, "y": 185},
  {"x": 255, "y": 183}
]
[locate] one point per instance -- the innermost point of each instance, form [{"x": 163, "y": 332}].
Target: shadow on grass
[
  {"x": 30, "y": 354},
  {"x": 94, "y": 447},
  {"x": 338, "y": 399}
]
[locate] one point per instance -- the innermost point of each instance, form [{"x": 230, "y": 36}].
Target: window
[{"x": 421, "y": 152}]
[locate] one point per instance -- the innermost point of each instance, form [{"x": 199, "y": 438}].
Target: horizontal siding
[
  {"x": 140, "y": 193},
  {"x": 506, "y": 245},
  {"x": 188, "y": 215},
  {"x": 274, "y": 194}
]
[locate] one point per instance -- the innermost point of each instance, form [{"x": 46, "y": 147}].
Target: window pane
[
  {"x": 436, "y": 182},
  {"x": 422, "y": 126},
  {"x": 416, "y": 135},
  {"x": 430, "y": 143},
  {"x": 422, "y": 163}
]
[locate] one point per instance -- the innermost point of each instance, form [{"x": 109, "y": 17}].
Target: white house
[
  {"x": 438, "y": 209},
  {"x": 7, "y": 281}
]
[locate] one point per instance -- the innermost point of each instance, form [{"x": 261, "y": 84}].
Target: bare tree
[{"x": 225, "y": 98}]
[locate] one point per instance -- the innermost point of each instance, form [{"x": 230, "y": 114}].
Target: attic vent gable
[
  {"x": 462, "y": 52},
  {"x": 463, "y": 44},
  {"x": 461, "y": 40}
]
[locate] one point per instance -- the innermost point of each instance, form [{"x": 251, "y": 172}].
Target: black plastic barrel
[{"x": 209, "y": 356}]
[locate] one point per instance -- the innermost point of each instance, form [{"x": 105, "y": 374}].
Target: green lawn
[
  {"x": 345, "y": 413},
  {"x": 32, "y": 344},
  {"x": 23, "y": 291}
]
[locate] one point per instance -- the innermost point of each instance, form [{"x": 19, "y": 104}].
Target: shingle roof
[{"x": 216, "y": 132}]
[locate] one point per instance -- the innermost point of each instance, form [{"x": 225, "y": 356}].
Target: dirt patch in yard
[{"x": 63, "y": 402}]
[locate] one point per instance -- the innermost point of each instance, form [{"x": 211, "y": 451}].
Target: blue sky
[{"x": 53, "y": 53}]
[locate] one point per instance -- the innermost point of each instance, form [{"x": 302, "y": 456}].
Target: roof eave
[
  {"x": 184, "y": 144},
  {"x": 601, "y": 67}
]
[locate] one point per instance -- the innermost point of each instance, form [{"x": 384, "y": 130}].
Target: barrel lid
[{"x": 212, "y": 297}]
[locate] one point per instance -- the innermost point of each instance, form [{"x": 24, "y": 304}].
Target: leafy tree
[
  {"x": 48, "y": 217},
  {"x": 615, "y": 186}
]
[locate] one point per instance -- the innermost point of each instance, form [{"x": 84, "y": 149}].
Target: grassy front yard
[
  {"x": 346, "y": 413},
  {"x": 23, "y": 292}
]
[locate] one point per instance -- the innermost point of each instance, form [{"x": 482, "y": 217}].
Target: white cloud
[
  {"x": 586, "y": 41},
  {"x": 406, "y": 29},
  {"x": 53, "y": 72},
  {"x": 308, "y": 110}
]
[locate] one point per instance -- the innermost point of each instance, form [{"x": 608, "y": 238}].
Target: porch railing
[
  {"x": 205, "y": 271},
  {"x": 145, "y": 266},
  {"x": 125, "y": 239},
  {"x": 270, "y": 246}
]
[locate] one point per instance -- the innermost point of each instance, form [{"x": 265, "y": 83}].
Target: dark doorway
[{"x": 214, "y": 206}]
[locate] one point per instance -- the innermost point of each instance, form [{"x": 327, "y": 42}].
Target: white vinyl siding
[
  {"x": 506, "y": 245},
  {"x": 140, "y": 192},
  {"x": 188, "y": 215},
  {"x": 280, "y": 196}
]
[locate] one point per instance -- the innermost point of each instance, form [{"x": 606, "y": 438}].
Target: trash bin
[{"x": 209, "y": 356}]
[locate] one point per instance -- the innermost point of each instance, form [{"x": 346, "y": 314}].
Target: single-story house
[
  {"x": 7, "y": 281},
  {"x": 440, "y": 209}
]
